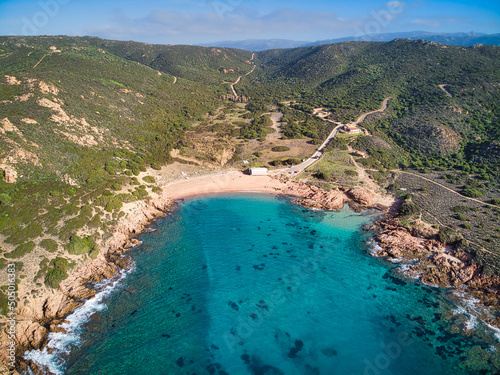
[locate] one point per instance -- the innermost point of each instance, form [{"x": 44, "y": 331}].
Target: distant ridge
[
  {"x": 257, "y": 45},
  {"x": 454, "y": 39}
]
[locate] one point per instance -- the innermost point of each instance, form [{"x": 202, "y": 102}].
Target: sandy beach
[{"x": 222, "y": 182}]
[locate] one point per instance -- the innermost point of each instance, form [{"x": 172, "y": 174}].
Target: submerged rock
[{"x": 299, "y": 344}]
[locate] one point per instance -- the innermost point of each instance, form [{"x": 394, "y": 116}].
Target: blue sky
[{"x": 202, "y": 21}]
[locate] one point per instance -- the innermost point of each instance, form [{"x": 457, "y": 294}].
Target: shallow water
[{"x": 250, "y": 284}]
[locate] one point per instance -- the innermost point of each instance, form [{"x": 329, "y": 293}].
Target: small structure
[
  {"x": 360, "y": 154},
  {"x": 258, "y": 171},
  {"x": 351, "y": 129}
]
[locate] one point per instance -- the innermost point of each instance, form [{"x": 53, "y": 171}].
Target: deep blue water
[{"x": 250, "y": 284}]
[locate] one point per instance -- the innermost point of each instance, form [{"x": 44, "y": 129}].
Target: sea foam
[{"x": 51, "y": 358}]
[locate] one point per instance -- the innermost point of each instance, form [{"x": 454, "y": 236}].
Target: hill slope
[
  {"x": 78, "y": 123},
  {"x": 354, "y": 77}
]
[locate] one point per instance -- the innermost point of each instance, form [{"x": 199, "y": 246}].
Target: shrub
[
  {"x": 57, "y": 272},
  {"x": 409, "y": 208},
  {"x": 116, "y": 186},
  {"x": 460, "y": 209},
  {"x": 156, "y": 166},
  {"x": 461, "y": 217},
  {"x": 156, "y": 189},
  {"x": 126, "y": 198},
  {"x": 110, "y": 169},
  {"x": 113, "y": 204},
  {"x": 448, "y": 236},
  {"x": 149, "y": 179},
  {"x": 258, "y": 154},
  {"x": 495, "y": 201},
  {"x": 4, "y": 199},
  {"x": 4, "y": 305},
  {"x": 280, "y": 149},
  {"x": 107, "y": 193},
  {"x": 78, "y": 245},
  {"x": 140, "y": 194},
  {"x": 32, "y": 230},
  {"x": 472, "y": 192},
  {"x": 49, "y": 244},
  {"x": 21, "y": 250},
  {"x": 94, "y": 252},
  {"x": 351, "y": 173},
  {"x": 322, "y": 176},
  {"x": 290, "y": 161},
  {"x": 95, "y": 222}
]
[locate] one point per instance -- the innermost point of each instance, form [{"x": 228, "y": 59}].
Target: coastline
[
  {"x": 46, "y": 315},
  {"x": 421, "y": 257}
]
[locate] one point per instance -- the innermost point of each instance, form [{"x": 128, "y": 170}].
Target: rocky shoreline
[
  {"x": 36, "y": 320},
  {"x": 432, "y": 262}
]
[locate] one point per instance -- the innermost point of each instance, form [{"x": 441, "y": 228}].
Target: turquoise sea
[{"x": 256, "y": 285}]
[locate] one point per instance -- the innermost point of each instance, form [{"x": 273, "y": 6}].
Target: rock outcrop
[
  {"x": 9, "y": 175},
  {"x": 361, "y": 196},
  {"x": 433, "y": 263},
  {"x": 314, "y": 197}
]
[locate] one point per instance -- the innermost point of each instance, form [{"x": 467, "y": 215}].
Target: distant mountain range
[
  {"x": 258, "y": 44},
  {"x": 455, "y": 39}
]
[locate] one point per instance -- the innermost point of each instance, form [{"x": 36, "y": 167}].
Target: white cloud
[
  {"x": 165, "y": 25},
  {"x": 395, "y": 4}
]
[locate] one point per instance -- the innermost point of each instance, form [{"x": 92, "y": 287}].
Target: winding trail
[
  {"x": 319, "y": 152},
  {"x": 442, "y": 87},
  {"x": 238, "y": 80},
  {"x": 39, "y": 61},
  {"x": 449, "y": 189},
  {"x": 175, "y": 80},
  {"x": 382, "y": 108}
]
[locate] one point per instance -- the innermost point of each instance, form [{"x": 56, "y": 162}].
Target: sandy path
[
  {"x": 382, "y": 108},
  {"x": 238, "y": 80},
  {"x": 319, "y": 152},
  {"x": 442, "y": 87},
  {"x": 39, "y": 61}
]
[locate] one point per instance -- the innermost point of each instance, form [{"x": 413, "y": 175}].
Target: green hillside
[
  {"x": 427, "y": 121},
  {"x": 78, "y": 122}
]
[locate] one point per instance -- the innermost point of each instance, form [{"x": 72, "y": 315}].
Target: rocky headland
[{"x": 433, "y": 263}]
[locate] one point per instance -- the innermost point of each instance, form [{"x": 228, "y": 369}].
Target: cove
[{"x": 252, "y": 284}]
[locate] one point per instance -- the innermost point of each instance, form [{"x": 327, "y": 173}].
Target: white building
[
  {"x": 258, "y": 171},
  {"x": 350, "y": 128}
]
